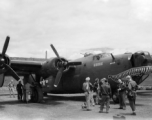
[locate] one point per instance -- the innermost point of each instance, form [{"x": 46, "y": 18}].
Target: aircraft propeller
[
  {"x": 3, "y": 64},
  {"x": 62, "y": 64}
]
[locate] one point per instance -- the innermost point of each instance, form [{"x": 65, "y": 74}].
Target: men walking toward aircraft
[
  {"x": 131, "y": 88},
  {"x": 11, "y": 87},
  {"x": 96, "y": 90},
  {"x": 86, "y": 88},
  {"x": 105, "y": 92},
  {"x": 19, "y": 89},
  {"x": 122, "y": 94}
]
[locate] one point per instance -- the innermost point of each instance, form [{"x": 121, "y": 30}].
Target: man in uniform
[
  {"x": 86, "y": 88},
  {"x": 19, "y": 89},
  {"x": 131, "y": 88},
  {"x": 105, "y": 92},
  {"x": 96, "y": 90},
  {"x": 91, "y": 94},
  {"x": 11, "y": 87},
  {"x": 122, "y": 94}
]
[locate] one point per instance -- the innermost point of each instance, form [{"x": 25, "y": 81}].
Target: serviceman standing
[
  {"x": 131, "y": 88},
  {"x": 11, "y": 87},
  {"x": 105, "y": 92},
  {"x": 122, "y": 94},
  {"x": 91, "y": 94},
  {"x": 19, "y": 89},
  {"x": 96, "y": 90},
  {"x": 86, "y": 88}
]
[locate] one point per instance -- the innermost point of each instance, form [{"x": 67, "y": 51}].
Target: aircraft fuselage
[{"x": 93, "y": 66}]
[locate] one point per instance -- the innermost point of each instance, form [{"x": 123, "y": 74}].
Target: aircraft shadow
[
  {"x": 54, "y": 100},
  {"x": 10, "y": 102},
  {"x": 63, "y": 98},
  {"x": 145, "y": 91},
  {"x": 51, "y": 98},
  {"x": 144, "y": 94},
  {"x": 30, "y": 104},
  {"x": 48, "y": 100}
]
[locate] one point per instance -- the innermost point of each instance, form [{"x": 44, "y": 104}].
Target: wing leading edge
[{"x": 26, "y": 66}]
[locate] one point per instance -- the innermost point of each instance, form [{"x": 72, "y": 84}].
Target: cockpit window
[
  {"x": 106, "y": 54},
  {"x": 96, "y": 57},
  {"x": 99, "y": 56}
]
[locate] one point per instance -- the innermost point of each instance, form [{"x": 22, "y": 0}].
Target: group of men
[
  {"x": 102, "y": 89},
  {"x": 103, "y": 93},
  {"x": 127, "y": 88},
  {"x": 24, "y": 92}
]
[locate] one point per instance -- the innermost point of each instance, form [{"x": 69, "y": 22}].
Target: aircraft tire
[
  {"x": 37, "y": 95},
  {"x": 115, "y": 97}
]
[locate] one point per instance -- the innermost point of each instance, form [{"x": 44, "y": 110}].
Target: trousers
[
  {"x": 92, "y": 99},
  {"x": 11, "y": 90},
  {"x": 132, "y": 102},
  {"x": 28, "y": 93},
  {"x": 97, "y": 98},
  {"x": 87, "y": 97},
  {"x": 122, "y": 99},
  {"x": 105, "y": 101},
  {"x": 20, "y": 95}
]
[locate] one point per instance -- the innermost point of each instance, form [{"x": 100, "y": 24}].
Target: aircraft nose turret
[
  {"x": 141, "y": 58},
  {"x": 148, "y": 62}
]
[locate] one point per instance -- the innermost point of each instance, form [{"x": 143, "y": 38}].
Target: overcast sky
[{"x": 74, "y": 25}]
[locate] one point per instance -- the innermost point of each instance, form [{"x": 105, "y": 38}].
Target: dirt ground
[{"x": 68, "y": 107}]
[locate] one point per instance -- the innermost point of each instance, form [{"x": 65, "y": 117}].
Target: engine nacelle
[
  {"x": 5, "y": 60},
  {"x": 51, "y": 67}
]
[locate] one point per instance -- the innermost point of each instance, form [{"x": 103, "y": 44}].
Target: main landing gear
[{"x": 37, "y": 94}]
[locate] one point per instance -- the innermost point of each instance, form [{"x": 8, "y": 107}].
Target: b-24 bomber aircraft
[{"x": 63, "y": 76}]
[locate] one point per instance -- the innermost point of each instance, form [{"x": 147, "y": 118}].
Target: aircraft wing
[{"x": 26, "y": 66}]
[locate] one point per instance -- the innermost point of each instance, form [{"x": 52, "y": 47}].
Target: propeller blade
[
  {"x": 58, "y": 77},
  {"x": 74, "y": 63},
  {"x": 5, "y": 46},
  {"x": 14, "y": 74},
  {"x": 56, "y": 53},
  {"x": 1, "y": 80}
]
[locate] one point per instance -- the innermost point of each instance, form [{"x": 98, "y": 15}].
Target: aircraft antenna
[
  {"x": 46, "y": 54},
  {"x": 112, "y": 57}
]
